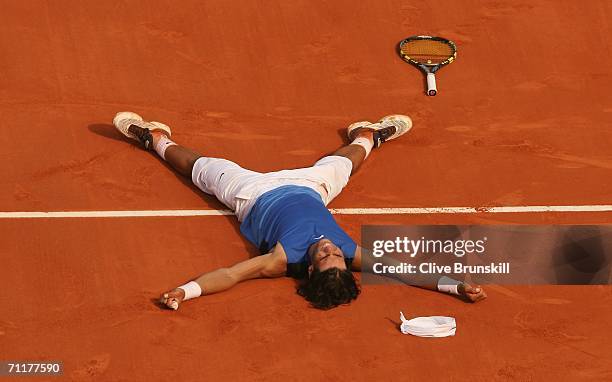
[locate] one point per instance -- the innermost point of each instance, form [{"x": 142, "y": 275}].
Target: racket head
[{"x": 427, "y": 52}]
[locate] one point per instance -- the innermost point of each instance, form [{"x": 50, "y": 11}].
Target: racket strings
[{"x": 427, "y": 51}]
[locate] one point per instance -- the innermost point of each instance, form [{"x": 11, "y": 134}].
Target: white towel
[{"x": 432, "y": 326}]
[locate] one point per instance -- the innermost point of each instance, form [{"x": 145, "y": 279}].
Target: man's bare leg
[
  {"x": 182, "y": 158},
  {"x": 355, "y": 153},
  {"x": 179, "y": 157}
]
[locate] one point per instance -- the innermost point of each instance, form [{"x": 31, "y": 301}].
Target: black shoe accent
[
  {"x": 143, "y": 135},
  {"x": 377, "y": 140},
  {"x": 385, "y": 133},
  {"x": 380, "y": 136}
]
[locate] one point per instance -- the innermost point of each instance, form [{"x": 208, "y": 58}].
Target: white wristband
[
  {"x": 192, "y": 290},
  {"x": 448, "y": 285}
]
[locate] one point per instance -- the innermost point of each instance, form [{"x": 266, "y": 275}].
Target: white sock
[
  {"x": 365, "y": 143},
  {"x": 162, "y": 145}
]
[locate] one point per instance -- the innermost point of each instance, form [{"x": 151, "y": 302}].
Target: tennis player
[{"x": 283, "y": 214}]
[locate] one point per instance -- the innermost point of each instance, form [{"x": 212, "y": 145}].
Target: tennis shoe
[
  {"x": 134, "y": 127},
  {"x": 386, "y": 129}
]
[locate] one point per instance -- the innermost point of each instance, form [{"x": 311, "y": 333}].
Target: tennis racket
[{"x": 428, "y": 54}]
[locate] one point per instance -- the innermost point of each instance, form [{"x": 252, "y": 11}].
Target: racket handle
[{"x": 431, "y": 84}]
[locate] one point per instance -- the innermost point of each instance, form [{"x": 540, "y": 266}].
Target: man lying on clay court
[{"x": 284, "y": 214}]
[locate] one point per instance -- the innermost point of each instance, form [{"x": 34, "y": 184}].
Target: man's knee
[{"x": 192, "y": 161}]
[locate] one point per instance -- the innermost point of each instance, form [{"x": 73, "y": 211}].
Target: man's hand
[
  {"x": 471, "y": 293},
  {"x": 172, "y": 299}
]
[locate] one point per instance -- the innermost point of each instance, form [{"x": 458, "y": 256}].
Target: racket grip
[{"x": 431, "y": 84}]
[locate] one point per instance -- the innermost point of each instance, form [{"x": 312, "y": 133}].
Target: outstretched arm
[
  {"x": 273, "y": 264},
  {"x": 471, "y": 293}
]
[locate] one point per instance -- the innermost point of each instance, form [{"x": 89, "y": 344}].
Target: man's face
[{"x": 325, "y": 255}]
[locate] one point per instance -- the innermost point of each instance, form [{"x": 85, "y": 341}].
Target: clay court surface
[{"x": 522, "y": 118}]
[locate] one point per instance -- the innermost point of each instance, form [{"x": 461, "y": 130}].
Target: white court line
[
  {"x": 469, "y": 210},
  {"x": 336, "y": 211}
]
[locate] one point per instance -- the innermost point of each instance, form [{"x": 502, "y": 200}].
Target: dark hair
[{"x": 330, "y": 288}]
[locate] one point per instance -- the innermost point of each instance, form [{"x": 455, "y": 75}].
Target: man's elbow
[{"x": 273, "y": 271}]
